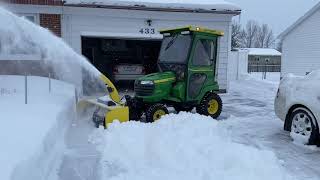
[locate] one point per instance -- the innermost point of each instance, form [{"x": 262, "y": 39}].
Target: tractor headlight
[{"x": 146, "y": 82}]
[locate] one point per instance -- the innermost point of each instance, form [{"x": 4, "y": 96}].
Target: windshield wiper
[{"x": 174, "y": 38}]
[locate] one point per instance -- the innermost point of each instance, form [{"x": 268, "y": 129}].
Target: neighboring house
[
  {"x": 114, "y": 32},
  {"x": 263, "y": 60},
  {"x": 301, "y": 44}
]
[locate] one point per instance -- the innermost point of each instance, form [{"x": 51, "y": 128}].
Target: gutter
[{"x": 144, "y": 8}]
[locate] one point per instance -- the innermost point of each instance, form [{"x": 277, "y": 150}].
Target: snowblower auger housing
[
  {"x": 109, "y": 110},
  {"x": 186, "y": 79}
]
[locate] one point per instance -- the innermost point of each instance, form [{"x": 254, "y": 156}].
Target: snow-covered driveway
[
  {"x": 248, "y": 117},
  {"x": 253, "y": 122}
]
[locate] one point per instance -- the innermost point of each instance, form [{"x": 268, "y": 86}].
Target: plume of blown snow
[{"x": 19, "y": 36}]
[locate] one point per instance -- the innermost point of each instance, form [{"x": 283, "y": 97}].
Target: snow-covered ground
[
  {"x": 249, "y": 109},
  {"x": 248, "y": 142},
  {"x": 269, "y": 76},
  {"x": 32, "y": 134}
]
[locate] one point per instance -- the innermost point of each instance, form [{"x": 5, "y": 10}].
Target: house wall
[
  {"x": 237, "y": 65},
  {"x": 52, "y": 22},
  {"x": 37, "y": 2},
  {"x": 48, "y": 16},
  {"x": 258, "y": 63},
  {"x": 100, "y": 22},
  {"x": 301, "y": 47},
  {"x": 261, "y": 60}
]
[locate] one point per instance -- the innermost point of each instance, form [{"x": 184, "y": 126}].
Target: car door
[{"x": 201, "y": 67}]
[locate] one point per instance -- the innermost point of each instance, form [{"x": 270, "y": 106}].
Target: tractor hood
[{"x": 161, "y": 77}]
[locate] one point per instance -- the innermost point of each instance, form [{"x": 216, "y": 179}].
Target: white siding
[
  {"x": 79, "y": 22},
  {"x": 301, "y": 47},
  {"x": 237, "y": 65}
]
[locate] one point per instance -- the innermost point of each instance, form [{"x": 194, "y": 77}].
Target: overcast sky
[{"x": 279, "y": 14}]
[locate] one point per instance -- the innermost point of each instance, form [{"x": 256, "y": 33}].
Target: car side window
[{"x": 205, "y": 53}]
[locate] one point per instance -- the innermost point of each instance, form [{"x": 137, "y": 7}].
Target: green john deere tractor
[{"x": 186, "y": 79}]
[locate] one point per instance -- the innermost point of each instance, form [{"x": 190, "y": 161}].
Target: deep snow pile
[
  {"x": 183, "y": 146},
  {"x": 32, "y": 135},
  {"x": 184, "y": 4}
]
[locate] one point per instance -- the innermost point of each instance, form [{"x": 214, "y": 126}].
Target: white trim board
[{"x": 121, "y": 35}]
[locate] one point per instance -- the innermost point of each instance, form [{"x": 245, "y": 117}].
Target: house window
[
  {"x": 267, "y": 60},
  {"x": 256, "y": 59},
  {"x": 31, "y": 17}
]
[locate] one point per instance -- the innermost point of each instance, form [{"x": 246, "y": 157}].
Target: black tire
[
  {"x": 314, "y": 137},
  {"x": 135, "y": 109},
  {"x": 203, "y": 107},
  {"x": 179, "y": 108},
  {"x": 134, "y": 114},
  {"x": 152, "y": 113}
]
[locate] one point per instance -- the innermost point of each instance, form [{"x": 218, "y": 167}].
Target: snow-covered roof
[
  {"x": 299, "y": 21},
  {"x": 262, "y": 51},
  {"x": 213, "y": 6}
]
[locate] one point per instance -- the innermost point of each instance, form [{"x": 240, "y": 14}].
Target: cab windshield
[{"x": 175, "y": 48}]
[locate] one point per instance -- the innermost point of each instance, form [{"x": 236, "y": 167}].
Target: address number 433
[{"x": 147, "y": 31}]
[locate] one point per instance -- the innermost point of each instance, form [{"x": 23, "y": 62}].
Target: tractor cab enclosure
[{"x": 187, "y": 74}]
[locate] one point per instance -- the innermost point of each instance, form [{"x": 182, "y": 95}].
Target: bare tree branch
[
  {"x": 252, "y": 36},
  {"x": 251, "y": 32},
  {"x": 236, "y": 35}
]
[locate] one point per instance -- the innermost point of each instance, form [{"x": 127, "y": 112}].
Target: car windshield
[{"x": 174, "y": 49}]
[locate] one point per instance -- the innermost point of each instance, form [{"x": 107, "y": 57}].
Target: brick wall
[
  {"x": 37, "y": 2},
  {"x": 51, "y": 22}
]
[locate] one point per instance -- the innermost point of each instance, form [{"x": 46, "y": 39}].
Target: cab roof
[{"x": 193, "y": 29}]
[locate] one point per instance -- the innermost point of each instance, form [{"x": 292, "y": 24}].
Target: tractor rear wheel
[
  {"x": 155, "y": 112},
  {"x": 210, "y": 105},
  {"x": 135, "y": 114}
]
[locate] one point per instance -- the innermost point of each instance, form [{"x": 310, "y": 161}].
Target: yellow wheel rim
[
  {"x": 213, "y": 106},
  {"x": 158, "y": 114}
]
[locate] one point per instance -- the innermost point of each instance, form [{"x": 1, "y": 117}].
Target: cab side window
[{"x": 205, "y": 53}]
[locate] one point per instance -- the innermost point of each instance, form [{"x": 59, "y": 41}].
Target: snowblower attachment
[{"x": 107, "y": 109}]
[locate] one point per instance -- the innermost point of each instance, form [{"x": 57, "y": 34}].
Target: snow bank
[
  {"x": 272, "y": 77},
  {"x": 183, "y": 146},
  {"x": 32, "y": 135},
  {"x": 174, "y": 4}
]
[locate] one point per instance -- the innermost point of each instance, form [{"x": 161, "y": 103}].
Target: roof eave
[{"x": 144, "y": 8}]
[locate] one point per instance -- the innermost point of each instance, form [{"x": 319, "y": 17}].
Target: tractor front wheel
[
  {"x": 210, "y": 105},
  {"x": 155, "y": 112}
]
